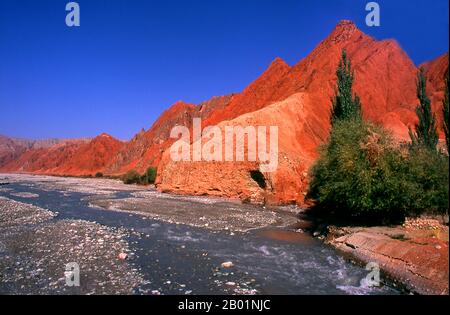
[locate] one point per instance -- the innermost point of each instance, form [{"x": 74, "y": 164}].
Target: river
[{"x": 185, "y": 257}]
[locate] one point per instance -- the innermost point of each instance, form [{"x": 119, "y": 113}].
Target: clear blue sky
[{"x": 131, "y": 59}]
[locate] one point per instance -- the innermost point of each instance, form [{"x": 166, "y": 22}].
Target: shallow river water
[{"x": 181, "y": 259}]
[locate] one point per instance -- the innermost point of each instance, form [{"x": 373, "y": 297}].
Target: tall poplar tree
[
  {"x": 345, "y": 105},
  {"x": 425, "y": 133},
  {"x": 446, "y": 113}
]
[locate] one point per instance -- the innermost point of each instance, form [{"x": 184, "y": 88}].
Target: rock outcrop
[
  {"x": 297, "y": 143},
  {"x": 417, "y": 259}
]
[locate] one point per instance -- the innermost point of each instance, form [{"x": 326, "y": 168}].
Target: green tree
[
  {"x": 150, "y": 175},
  {"x": 446, "y": 113},
  {"x": 425, "y": 133},
  {"x": 363, "y": 174},
  {"x": 360, "y": 175},
  {"x": 345, "y": 105}
]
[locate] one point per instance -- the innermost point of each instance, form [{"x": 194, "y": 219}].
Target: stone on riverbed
[{"x": 227, "y": 264}]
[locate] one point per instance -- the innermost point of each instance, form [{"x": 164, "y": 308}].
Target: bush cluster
[
  {"x": 133, "y": 177},
  {"x": 362, "y": 173}
]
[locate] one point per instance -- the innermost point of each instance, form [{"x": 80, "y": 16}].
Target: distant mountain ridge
[{"x": 12, "y": 148}]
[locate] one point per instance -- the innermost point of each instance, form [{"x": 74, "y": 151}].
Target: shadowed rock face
[{"x": 296, "y": 99}]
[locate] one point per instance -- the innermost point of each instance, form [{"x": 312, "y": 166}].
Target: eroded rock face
[
  {"x": 9, "y": 150},
  {"x": 257, "y": 95},
  {"x": 234, "y": 180},
  {"x": 92, "y": 157},
  {"x": 146, "y": 147}
]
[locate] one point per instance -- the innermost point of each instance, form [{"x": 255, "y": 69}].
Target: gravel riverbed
[{"x": 35, "y": 250}]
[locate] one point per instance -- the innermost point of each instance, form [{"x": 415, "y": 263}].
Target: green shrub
[
  {"x": 361, "y": 173},
  {"x": 131, "y": 177},
  {"x": 99, "y": 174},
  {"x": 151, "y": 175},
  {"x": 428, "y": 172}
]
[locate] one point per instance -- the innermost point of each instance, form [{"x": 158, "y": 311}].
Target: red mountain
[
  {"x": 13, "y": 148},
  {"x": 257, "y": 95},
  {"x": 45, "y": 159},
  {"x": 74, "y": 157},
  {"x": 91, "y": 157},
  {"x": 297, "y": 100}
]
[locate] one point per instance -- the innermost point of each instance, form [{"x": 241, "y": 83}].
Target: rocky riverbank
[
  {"x": 34, "y": 251},
  {"x": 415, "y": 254}
]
